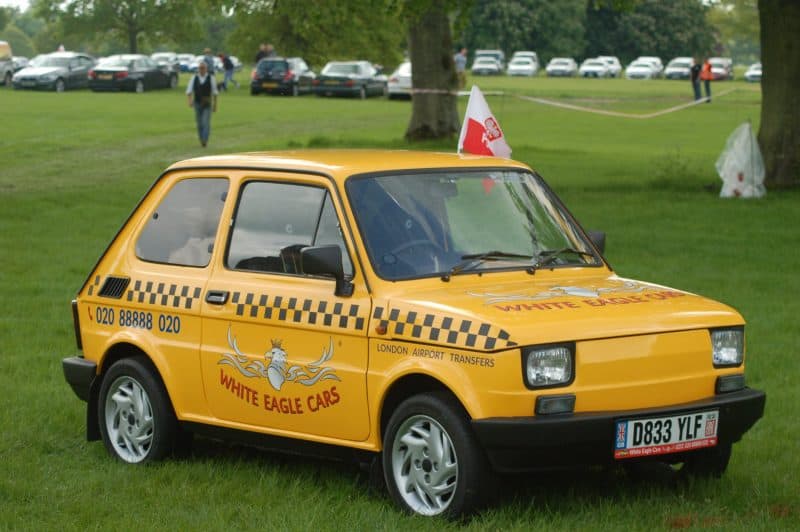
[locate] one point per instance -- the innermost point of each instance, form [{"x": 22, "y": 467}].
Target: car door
[{"x": 281, "y": 350}]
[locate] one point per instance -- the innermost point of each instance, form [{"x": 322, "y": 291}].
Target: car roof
[{"x": 340, "y": 164}]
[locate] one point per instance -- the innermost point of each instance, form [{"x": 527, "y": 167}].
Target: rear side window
[{"x": 182, "y": 229}]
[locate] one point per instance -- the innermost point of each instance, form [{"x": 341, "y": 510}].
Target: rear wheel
[
  {"x": 362, "y": 93},
  {"x": 295, "y": 90},
  {"x": 432, "y": 462},
  {"x": 137, "y": 422},
  {"x": 7, "y": 79},
  {"x": 173, "y": 81},
  {"x": 60, "y": 86},
  {"x": 139, "y": 88}
]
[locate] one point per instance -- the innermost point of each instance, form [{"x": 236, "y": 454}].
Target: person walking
[
  {"x": 202, "y": 95},
  {"x": 707, "y": 75},
  {"x": 460, "y": 60},
  {"x": 227, "y": 66},
  {"x": 694, "y": 75}
]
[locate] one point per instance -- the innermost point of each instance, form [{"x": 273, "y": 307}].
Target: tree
[
  {"x": 779, "y": 134},
  {"x": 434, "y": 114},
  {"x": 128, "y": 20},
  {"x": 736, "y": 21},
  {"x": 20, "y": 42}
]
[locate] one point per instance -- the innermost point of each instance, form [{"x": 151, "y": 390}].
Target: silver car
[{"x": 400, "y": 82}]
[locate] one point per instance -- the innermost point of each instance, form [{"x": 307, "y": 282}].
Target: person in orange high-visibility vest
[{"x": 706, "y": 75}]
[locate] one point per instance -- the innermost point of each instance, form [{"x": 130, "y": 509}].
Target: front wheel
[
  {"x": 432, "y": 462},
  {"x": 137, "y": 422},
  {"x": 7, "y": 79},
  {"x": 60, "y": 86}
]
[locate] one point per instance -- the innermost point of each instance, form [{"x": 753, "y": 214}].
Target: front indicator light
[
  {"x": 548, "y": 366},
  {"x": 555, "y": 404},
  {"x": 729, "y": 383},
  {"x": 727, "y": 347}
]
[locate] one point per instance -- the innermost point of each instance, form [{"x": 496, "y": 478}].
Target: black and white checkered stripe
[
  {"x": 164, "y": 294},
  {"x": 297, "y": 310},
  {"x": 443, "y": 329}
]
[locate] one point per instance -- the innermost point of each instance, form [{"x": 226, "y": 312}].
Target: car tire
[
  {"x": 173, "y": 82},
  {"x": 362, "y": 93},
  {"x": 139, "y": 87},
  {"x": 59, "y": 85},
  {"x": 431, "y": 459},
  {"x": 7, "y": 79},
  {"x": 136, "y": 419},
  {"x": 708, "y": 463},
  {"x": 295, "y": 89}
]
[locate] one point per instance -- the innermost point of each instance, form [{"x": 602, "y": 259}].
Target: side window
[
  {"x": 275, "y": 221},
  {"x": 182, "y": 229}
]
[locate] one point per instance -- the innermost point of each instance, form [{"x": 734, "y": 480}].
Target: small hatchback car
[{"x": 440, "y": 316}]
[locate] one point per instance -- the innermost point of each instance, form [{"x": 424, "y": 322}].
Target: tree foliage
[
  {"x": 738, "y": 27},
  {"x": 320, "y": 31},
  {"x": 550, "y": 28},
  {"x": 130, "y": 21},
  {"x": 21, "y": 44}
]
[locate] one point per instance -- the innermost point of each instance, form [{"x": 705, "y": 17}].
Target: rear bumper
[
  {"x": 566, "y": 440},
  {"x": 79, "y": 374}
]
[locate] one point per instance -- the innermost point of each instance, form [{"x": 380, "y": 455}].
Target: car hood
[
  {"x": 40, "y": 71},
  {"x": 488, "y": 316}
]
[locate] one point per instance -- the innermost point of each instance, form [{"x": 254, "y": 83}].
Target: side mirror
[
  {"x": 326, "y": 260},
  {"x": 598, "y": 238}
]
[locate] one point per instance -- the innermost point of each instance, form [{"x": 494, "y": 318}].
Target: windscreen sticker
[
  {"x": 624, "y": 293},
  {"x": 275, "y": 369}
]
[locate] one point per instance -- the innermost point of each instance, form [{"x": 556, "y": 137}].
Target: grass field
[{"x": 73, "y": 165}]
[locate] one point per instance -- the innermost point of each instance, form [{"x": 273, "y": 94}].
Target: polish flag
[{"x": 480, "y": 132}]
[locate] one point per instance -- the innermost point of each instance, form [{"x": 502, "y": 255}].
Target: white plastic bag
[{"x": 740, "y": 165}]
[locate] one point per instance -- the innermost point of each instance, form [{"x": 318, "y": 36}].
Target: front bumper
[
  {"x": 79, "y": 374},
  {"x": 565, "y": 440}
]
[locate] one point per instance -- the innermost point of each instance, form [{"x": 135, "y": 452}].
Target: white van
[{"x": 6, "y": 63}]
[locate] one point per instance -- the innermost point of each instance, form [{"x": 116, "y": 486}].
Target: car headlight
[
  {"x": 727, "y": 347},
  {"x": 548, "y": 366}
]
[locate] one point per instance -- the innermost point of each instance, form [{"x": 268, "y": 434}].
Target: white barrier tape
[{"x": 618, "y": 114}]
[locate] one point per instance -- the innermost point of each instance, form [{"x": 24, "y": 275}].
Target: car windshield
[
  {"x": 641, "y": 64},
  {"x": 522, "y": 62},
  {"x": 427, "y": 224},
  {"x": 593, "y": 62},
  {"x": 50, "y": 61},
  {"x": 340, "y": 69},
  {"x": 680, "y": 64}
]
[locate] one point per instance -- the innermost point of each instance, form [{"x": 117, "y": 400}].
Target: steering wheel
[{"x": 406, "y": 250}]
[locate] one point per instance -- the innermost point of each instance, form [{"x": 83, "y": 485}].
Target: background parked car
[
  {"x": 185, "y": 61},
  {"x": 169, "y": 59},
  {"x": 753, "y": 74},
  {"x": 350, "y": 78},
  {"x": 529, "y": 54},
  {"x": 131, "y": 72},
  {"x": 19, "y": 62},
  {"x": 561, "y": 66},
  {"x": 522, "y": 66},
  {"x": 594, "y": 68},
  {"x": 721, "y": 67},
  {"x": 279, "y": 75},
  {"x": 399, "y": 84},
  {"x": 658, "y": 66},
  {"x": 498, "y": 55},
  {"x": 58, "y": 71},
  {"x": 614, "y": 66},
  {"x": 218, "y": 66},
  {"x": 237, "y": 64},
  {"x": 641, "y": 70},
  {"x": 486, "y": 66},
  {"x": 679, "y": 68},
  {"x": 6, "y": 63}
]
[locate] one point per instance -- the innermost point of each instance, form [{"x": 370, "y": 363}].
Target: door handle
[{"x": 217, "y": 297}]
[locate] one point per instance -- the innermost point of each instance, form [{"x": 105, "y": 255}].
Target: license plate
[
  {"x": 331, "y": 82},
  {"x": 105, "y": 76},
  {"x": 269, "y": 85},
  {"x": 636, "y": 438}
]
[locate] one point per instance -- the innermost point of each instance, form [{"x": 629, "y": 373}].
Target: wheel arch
[
  {"x": 407, "y": 386},
  {"x": 115, "y": 353}
]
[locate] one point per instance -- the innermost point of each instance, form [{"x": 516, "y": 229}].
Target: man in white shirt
[{"x": 202, "y": 95}]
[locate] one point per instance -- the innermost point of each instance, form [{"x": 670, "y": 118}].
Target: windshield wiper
[
  {"x": 474, "y": 259},
  {"x": 548, "y": 256}
]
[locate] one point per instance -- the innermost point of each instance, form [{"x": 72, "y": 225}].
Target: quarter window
[{"x": 182, "y": 229}]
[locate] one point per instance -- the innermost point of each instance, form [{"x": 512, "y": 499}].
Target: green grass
[{"x": 74, "y": 165}]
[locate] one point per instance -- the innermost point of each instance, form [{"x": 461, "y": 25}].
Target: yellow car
[{"x": 440, "y": 316}]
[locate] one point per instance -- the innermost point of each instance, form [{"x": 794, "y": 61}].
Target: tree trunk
[
  {"x": 779, "y": 136},
  {"x": 433, "y": 114}
]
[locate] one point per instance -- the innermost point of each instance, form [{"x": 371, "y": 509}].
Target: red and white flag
[{"x": 480, "y": 132}]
